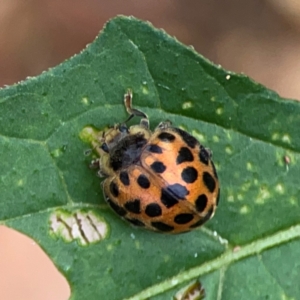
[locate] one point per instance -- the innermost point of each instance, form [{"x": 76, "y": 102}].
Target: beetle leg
[
  {"x": 165, "y": 124},
  {"x": 134, "y": 112}
]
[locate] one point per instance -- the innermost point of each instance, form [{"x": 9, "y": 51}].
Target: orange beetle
[{"x": 163, "y": 180}]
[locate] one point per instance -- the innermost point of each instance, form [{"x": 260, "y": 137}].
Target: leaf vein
[{"x": 225, "y": 259}]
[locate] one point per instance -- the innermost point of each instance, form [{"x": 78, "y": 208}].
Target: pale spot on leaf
[
  {"x": 275, "y": 136},
  {"x": 279, "y": 188},
  {"x": 256, "y": 182},
  {"x": 187, "y": 105},
  {"x": 145, "y": 89},
  {"x": 56, "y": 153},
  {"x": 230, "y": 198},
  {"x": 85, "y": 101},
  {"x": 89, "y": 134},
  {"x": 286, "y": 139},
  {"x": 249, "y": 166},
  {"x": 20, "y": 182},
  {"x": 228, "y": 150},
  {"x": 240, "y": 197},
  {"x": 219, "y": 111},
  {"x": 263, "y": 195},
  {"x": 182, "y": 127},
  {"x": 246, "y": 186},
  {"x": 137, "y": 245},
  {"x": 293, "y": 201},
  {"x": 228, "y": 135},
  {"x": 215, "y": 139},
  {"x": 244, "y": 210},
  {"x": 109, "y": 247},
  {"x": 199, "y": 136}
]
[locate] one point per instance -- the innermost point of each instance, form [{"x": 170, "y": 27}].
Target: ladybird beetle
[{"x": 163, "y": 180}]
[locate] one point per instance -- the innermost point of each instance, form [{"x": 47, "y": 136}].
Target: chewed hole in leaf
[
  {"x": 83, "y": 226},
  {"x": 193, "y": 291}
]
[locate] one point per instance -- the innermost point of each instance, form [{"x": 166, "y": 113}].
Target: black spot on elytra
[
  {"x": 171, "y": 194},
  {"x": 153, "y": 210},
  {"x": 189, "y": 139},
  {"x": 162, "y": 226},
  {"x": 184, "y": 154},
  {"x": 133, "y": 206},
  {"x": 178, "y": 190},
  {"x": 166, "y": 137},
  {"x": 155, "y": 149},
  {"x": 143, "y": 181},
  {"x": 118, "y": 209},
  {"x": 183, "y": 218},
  {"x": 209, "y": 182},
  {"x": 204, "y": 155},
  {"x": 218, "y": 197},
  {"x": 124, "y": 178},
  {"x": 114, "y": 189},
  {"x": 203, "y": 220},
  {"x": 189, "y": 174},
  {"x": 201, "y": 203},
  {"x": 158, "y": 167},
  {"x": 135, "y": 222},
  {"x": 167, "y": 198}
]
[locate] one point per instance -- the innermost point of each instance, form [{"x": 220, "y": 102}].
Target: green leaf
[{"x": 249, "y": 250}]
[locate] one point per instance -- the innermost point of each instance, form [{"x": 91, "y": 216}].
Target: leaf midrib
[{"x": 225, "y": 259}]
